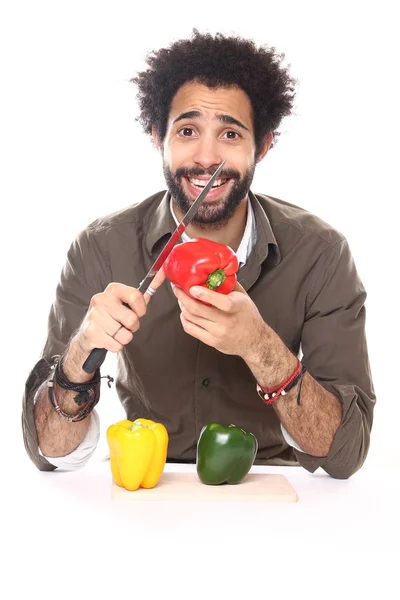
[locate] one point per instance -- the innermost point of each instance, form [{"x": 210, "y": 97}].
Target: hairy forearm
[
  {"x": 314, "y": 422},
  {"x": 56, "y": 435}
]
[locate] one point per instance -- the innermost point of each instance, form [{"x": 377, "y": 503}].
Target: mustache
[{"x": 198, "y": 172}]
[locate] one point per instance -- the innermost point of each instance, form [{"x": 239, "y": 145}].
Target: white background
[{"x": 71, "y": 151}]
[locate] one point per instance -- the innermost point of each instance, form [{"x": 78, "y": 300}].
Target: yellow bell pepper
[{"x": 138, "y": 452}]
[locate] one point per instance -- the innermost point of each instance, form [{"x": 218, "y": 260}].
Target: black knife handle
[{"x": 94, "y": 360}]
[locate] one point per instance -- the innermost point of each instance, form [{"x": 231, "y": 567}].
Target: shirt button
[{"x": 206, "y": 382}]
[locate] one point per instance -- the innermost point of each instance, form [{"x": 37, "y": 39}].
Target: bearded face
[{"x": 228, "y": 191}]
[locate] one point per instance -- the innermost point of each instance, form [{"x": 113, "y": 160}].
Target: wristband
[
  {"x": 88, "y": 392},
  {"x": 83, "y": 388},
  {"x": 269, "y": 395}
]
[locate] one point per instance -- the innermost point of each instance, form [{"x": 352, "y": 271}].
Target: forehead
[{"x": 231, "y": 101}]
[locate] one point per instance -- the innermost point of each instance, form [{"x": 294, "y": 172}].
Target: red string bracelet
[{"x": 270, "y": 394}]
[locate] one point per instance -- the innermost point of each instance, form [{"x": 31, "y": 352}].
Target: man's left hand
[{"x": 232, "y": 324}]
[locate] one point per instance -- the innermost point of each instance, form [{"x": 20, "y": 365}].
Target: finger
[
  {"x": 129, "y": 295},
  {"x": 96, "y": 337},
  {"x": 197, "y": 332},
  {"x": 106, "y": 324},
  {"x": 212, "y": 327},
  {"x": 121, "y": 314},
  {"x": 221, "y": 301},
  {"x": 193, "y": 306},
  {"x": 156, "y": 282}
]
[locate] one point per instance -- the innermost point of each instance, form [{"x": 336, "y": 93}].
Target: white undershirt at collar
[{"x": 249, "y": 235}]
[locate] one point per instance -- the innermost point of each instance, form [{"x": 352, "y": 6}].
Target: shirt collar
[
  {"x": 246, "y": 243},
  {"x": 163, "y": 222}
]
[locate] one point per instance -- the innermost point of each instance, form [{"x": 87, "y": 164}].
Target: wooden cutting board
[{"x": 181, "y": 487}]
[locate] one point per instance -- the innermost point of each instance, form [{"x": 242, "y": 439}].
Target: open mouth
[
  {"x": 197, "y": 185},
  {"x": 201, "y": 183}
]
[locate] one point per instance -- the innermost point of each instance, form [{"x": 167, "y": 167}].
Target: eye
[
  {"x": 232, "y": 135},
  {"x": 186, "y": 131}
]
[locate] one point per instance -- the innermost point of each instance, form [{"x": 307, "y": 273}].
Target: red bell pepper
[{"x": 204, "y": 263}]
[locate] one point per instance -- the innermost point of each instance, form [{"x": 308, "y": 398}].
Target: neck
[{"x": 230, "y": 233}]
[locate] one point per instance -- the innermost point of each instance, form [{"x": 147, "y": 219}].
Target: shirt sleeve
[
  {"x": 335, "y": 353},
  {"x": 80, "y": 456},
  {"x": 85, "y": 273},
  {"x": 288, "y": 439}
]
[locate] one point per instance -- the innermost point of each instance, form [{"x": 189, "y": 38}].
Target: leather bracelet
[
  {"x": 88, "y": 392},
  {"x": 82, "y": 414},
  {"x": 269, "y": 395},
  {"x": 83, "y": 388},
  {"x": 94, "y": 396}
]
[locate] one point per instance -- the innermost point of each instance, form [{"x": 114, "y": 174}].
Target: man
[{"x": 187, "y": 359}]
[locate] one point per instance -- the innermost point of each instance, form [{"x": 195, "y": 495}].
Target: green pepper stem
[{"x": 215, "y": 279}]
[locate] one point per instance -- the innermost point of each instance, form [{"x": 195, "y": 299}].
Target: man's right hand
[{"x": 101, "y": 327}]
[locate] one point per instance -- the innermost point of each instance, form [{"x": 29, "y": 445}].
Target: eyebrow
[{"x": 195, "y": 114}]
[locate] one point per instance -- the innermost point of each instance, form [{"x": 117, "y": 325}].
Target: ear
[
  {"x": 156, "y": 140},
  {"x": 269, "y": 138}
]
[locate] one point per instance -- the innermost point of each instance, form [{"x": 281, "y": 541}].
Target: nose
[{"x": 207, "y": 153}]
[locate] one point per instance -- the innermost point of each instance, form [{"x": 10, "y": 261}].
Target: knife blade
[{"x": 97, "y": 355}]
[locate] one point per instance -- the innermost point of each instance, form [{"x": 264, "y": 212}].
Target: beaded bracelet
[{"x": 269, "y": 395}]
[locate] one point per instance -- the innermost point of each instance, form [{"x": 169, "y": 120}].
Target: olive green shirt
[{"x": 302, "y": 277}]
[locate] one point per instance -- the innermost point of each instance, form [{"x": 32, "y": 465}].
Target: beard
[{"x": 211, "y": 214}]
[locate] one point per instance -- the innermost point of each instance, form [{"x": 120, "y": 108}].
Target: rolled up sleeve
[
  {"x": 83, "y": 275},
  {"x": 335, "y": 353}
]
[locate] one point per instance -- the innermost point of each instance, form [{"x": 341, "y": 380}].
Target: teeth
[{"x": 201, "y": 183}]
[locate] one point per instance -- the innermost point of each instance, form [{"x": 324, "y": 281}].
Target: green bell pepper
[{"x": 224, "y": 454}]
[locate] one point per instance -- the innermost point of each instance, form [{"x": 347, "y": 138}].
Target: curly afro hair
[{"x": 217, "y": 61}]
